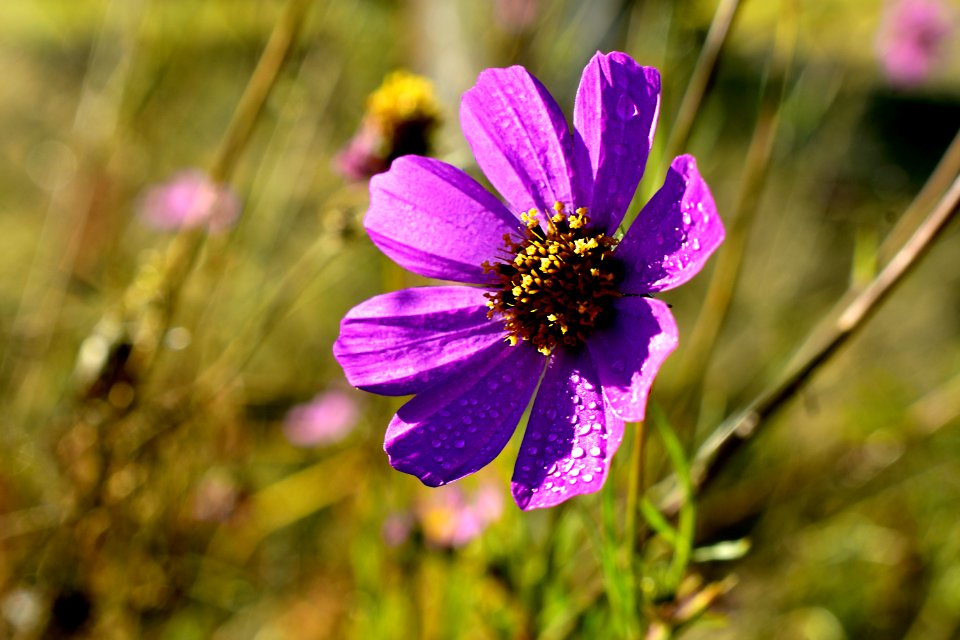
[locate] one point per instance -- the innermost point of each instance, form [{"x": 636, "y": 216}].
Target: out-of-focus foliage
[{"x": 173, "y": 504}]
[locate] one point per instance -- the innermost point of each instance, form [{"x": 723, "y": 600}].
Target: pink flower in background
[
  {"x": 396, "y": 528},
  {"x": 912, "y": 39},
  {"x": 326, "y": 419},
  {"x": 452, "y": 517},
  {"x": 516, "y": 15},
  {"x": 190, "y": 199}
]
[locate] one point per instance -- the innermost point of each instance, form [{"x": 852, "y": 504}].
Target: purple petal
[
  {"x": 521, "y": 140},
  {"x": 435, "y": 220},
  {"x": 628, "y": 354},
  {"x": 402, "y": 342},
  {"x": 570, "y": 438},
  {"x": 616, "y": 114},
  {"x": 673, "y": 235},
  {"x": 463, "y": 422}
]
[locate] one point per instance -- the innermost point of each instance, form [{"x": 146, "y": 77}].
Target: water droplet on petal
[
  {"x": 595, "y": 452},
  {"x": 551, "y": 414},
  {"x": 588, "y": 477},
  {"x": 577, "y": 452},
  {"x": 435, "y": 444},
  {"x": 459, "y": 444}
]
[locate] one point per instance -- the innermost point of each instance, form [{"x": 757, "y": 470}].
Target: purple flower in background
[
  {"x": 559, "y": 301},
  {"x": 190, "y": 199},
  {"x": 912, "y": 39},
  {"x": 326, "y": 419}
]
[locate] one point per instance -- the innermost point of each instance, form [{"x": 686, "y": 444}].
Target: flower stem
[
  {"x": 690, "y": 105},
  {"x": 737, "y": 430}
]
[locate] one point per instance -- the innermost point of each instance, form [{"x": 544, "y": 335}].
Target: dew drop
[
  {"x": 435, "y": 444},
  {"x": 686, "y": 218},
  {"x": 595, "y": 452},
  {"x": 574, "y": 378},
  {"x": 494, "y": 413},
  {"x": 588, "y": 385},
  {"x": 695, "y": 244},
  {"x": 574, "y": 472},
  {"x": 467, "y": 420},
  {"x": 492, "y": 385},
  {"x": 592, "y": 405},
  {"x": 577, "y": 452},
  {"x": 551, "y": 414},
  {"x": 575, "y": 399},
  {"x": 588, "y": 477},
  {"x": 459, "y": 444},
  {"x": 584, "y": 430},
  {"x": 507, "y": 378},
  {"x": 463, "y": 402}
]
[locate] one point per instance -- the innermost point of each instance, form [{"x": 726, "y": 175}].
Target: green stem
[{"x": 690, "y": 105}]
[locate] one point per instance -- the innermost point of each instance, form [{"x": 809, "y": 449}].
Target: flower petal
[
  {"x": 673, "y": 235},
  {"x": 616, "y": 114},
  {"x": 570, "y": 438},
  {"x": 463, "y": 422},
  {"x": 402, "y": 342},
  {"x": 628, "y": 354},
  {"x": 435, "y": 220},
  {"x": 521, "y": 140}
]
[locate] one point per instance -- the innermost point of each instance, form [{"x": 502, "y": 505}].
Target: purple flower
[
  {"x": 190, "y": 199},
  {"x": 559, "y": 302},
  {"x": 326, "y": 419},
  {"x": 912, "y": 38}
]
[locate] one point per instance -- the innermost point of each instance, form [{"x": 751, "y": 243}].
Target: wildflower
[
  {"x": 516, "y": 15},
  {"x": 912, "y": 39},
  {"x": 559, "y": 296},
  {"x": 329, "y": 417},
  {"x": 400, "y": 118},
  {"x": 452, "y": 517},
  {"x": 190, "y": 199}
]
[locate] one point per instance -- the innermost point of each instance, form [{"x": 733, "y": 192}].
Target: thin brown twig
[{"x": 733, "y": 433}]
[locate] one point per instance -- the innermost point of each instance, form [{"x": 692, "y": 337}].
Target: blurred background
[{"x": 180, "y": 456}]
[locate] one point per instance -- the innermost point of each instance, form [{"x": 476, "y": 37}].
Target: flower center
[{"x": 558, "y": 284}]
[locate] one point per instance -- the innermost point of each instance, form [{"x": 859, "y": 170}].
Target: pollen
[{"x": 556, "y": 283}]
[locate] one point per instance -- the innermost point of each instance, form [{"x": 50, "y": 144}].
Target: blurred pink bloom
[
  {"x": 216, "y": 497},
  {"x": 190, "y": 199},
  {"x": 396, "y": 528},
  {"x": 326, "y": 419},
  {"x": 452, "y": 517},
  {"x": 516, "y": 15},
  {"x": 912, "y": 39}
]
